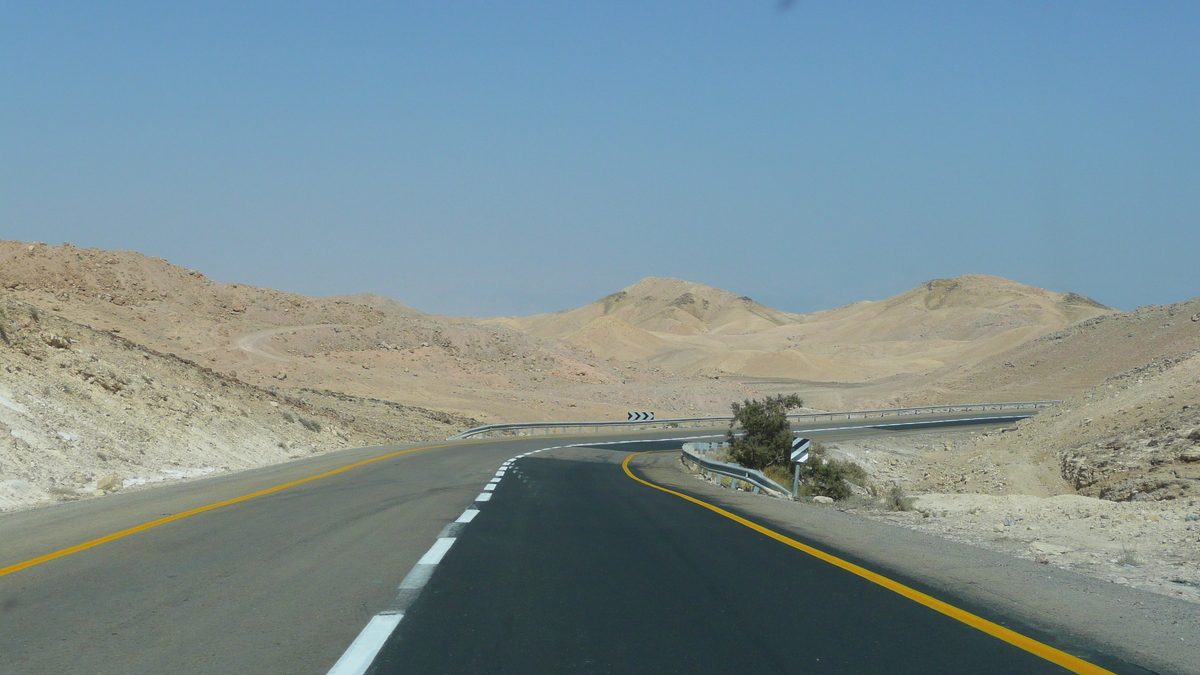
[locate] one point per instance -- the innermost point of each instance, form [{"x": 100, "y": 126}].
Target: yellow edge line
[
  {"x": 202, "y": 509},
  {"x": 1056, "y": 656}
]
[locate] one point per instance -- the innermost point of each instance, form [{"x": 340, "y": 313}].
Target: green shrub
[
  {"x": 896, "y": 500},
  {"x": 850, "y": 471},
  {"x": 767, "y": 437},
  {"x": 311, "y": 425},
  {"x": 779, "y": 474},
  {"x": 822, "y": 477},
  {"x": 766, "y": 444},
  {"x": 829, "y": 477},
  {"x": 288, "y": 417}
]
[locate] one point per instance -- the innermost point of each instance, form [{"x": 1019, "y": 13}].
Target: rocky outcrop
[{"x": 1137, "y": 468}]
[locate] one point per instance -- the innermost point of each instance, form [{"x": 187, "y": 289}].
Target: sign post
[{"x": 800, "y": 453}]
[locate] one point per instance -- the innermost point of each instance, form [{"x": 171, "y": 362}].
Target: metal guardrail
[
  {"x": 735, "y": 472},
  {"x": 532, "y": 428}
]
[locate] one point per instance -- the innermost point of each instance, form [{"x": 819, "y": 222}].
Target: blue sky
[{"x": 520, "y": 157}]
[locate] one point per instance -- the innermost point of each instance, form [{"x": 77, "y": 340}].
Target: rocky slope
[
  {"x": 85, "y": 411},
  {"x": 1134, "y": 437},
  {"x": 363, "y": 345},
  {"x": 1071, "y": 360}
]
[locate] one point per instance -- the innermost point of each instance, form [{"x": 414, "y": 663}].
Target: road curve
[
  {"x": 283, "y": 581},
  {"x": 572, "y": 567}
]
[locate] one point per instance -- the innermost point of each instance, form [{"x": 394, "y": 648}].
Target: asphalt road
[
  {"x": 282, "y": 582},
  {"x": 573, "y": 567}
]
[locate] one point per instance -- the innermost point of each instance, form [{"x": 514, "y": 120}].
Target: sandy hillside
[
  {"x": 692, "y": 328},
  {"x": 364, "y": 345},
  {"x": 671, "y": 306},
  {"x": 1071, "y": 360},
  {"x": 1134, "y": 437},
  {"x": 678, "y": 348},
  {"x": 1128, "y": 427},
  {"x": 84, "y": 412}
]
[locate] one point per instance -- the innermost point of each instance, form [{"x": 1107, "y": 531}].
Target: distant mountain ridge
[
  {"x": 664, "y": 305},
  {"x": 666, "y": 335},
  {"x": 693, "y": 328}
]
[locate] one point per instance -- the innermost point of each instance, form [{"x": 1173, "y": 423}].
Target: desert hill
[
  {"x": 662, "y": 305},
  {"x": 1069, "y": 361},
  {"x": 1135, "y": 436},
  {"x": 377, "y": 302},
  {"x": 692, "y": 328},
  {"x": 1129, "y": 425},
  {"x": 85, "y": 411},
  {"x": 364, "y": 345},
  {"x": 1127, "y": 429},
  {"x": 680, "y": 348}
]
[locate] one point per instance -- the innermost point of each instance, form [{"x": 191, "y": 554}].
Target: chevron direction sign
[
  {"x": 641, "y": 417},
  {"x": 800, "y": 448}
]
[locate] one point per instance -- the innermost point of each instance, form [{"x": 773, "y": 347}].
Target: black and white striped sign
[
  {"x": 641, "y": 417},
  {"x": 800, "y": 448}
]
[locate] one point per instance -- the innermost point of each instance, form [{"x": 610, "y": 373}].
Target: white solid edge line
[
  {"x": 434, "y": 555},
  {"x": 467, "y": 516},
  {"x": 362, "y": 651},
  {"x": 483, "y": 497}
]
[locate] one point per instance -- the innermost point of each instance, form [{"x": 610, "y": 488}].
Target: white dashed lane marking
[
  {"x": 361, "y": 653},
  {"x": 435, "y": 553}
]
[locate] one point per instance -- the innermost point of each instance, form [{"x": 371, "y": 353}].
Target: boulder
[
  {"x": 110, "y": 482},
  {"x": 56, "y": 341},
  {"x": 823, "y": 500}
]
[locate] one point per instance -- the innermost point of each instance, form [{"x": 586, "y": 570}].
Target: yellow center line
[
  {"x": 1056, "y": 656},
  {"x": 202, "y": 509}
]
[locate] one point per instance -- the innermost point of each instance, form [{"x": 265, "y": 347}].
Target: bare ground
[{"x": 1010, "y": 507}]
